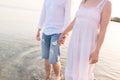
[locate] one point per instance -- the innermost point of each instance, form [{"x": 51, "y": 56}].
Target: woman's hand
[{"x": 93, "y": 57}]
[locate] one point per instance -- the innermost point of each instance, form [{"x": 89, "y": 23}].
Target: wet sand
[{"x": 20, "y": 54}]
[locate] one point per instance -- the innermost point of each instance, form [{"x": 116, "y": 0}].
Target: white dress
[{"x": 82, "y": 42}]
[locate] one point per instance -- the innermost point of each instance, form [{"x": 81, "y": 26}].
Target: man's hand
[{"x": 38, "y": 38}]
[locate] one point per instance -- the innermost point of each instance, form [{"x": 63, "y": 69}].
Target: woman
[{"x": 88, "y": 32}]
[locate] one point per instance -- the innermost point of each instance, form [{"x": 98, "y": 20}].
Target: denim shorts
[{"x": 51, "y": 48}]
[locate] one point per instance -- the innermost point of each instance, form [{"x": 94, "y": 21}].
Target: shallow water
[{"x": 20, "y": 53}]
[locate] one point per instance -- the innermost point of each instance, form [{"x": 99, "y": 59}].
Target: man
[{"x": 55, "y": 17}]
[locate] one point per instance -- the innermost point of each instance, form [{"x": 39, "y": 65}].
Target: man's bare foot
[
  {"x": 57, "y": 78},
  {"x": 48, "y": 78},
  {"x": 62, "y": 77}
]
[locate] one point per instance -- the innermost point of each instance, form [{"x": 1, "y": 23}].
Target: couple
[{"x": 88, "y": 32}]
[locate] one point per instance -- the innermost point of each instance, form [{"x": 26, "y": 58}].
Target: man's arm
[
  {"x": 42, "y": 17},
  {"x": 41, "y": 22}
]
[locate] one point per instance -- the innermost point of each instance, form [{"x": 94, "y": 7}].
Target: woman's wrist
[
  {"x": 97, "y": 51},
  {"x": 65, "y": 33}
]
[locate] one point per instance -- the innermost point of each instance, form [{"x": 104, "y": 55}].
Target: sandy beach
[{"x": 20, "y": 53}]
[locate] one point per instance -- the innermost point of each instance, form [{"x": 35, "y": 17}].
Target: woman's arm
[
  {"x": 69, "y": 28},
  {"x": 105, "y": 18},
  {"x": 65, "y": 33}
]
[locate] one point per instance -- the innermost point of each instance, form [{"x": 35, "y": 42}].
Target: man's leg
[
  {"x": 57, "y": 69},
  {"x": 54, "y": 57},
  {"x": 45, "y": 54},
  {"x": 48, "y": 69}
]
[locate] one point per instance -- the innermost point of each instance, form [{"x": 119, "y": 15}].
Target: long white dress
[{"x": 82, "y": 42}]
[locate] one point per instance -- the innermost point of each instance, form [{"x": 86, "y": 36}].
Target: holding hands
[{"x": 62, "y": 38}]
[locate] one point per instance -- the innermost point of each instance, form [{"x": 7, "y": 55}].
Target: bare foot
[
  {"x": 57, "y": 78},
  {"x": 48, "y": 78},
  {"x": 62, "y": 77}
]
